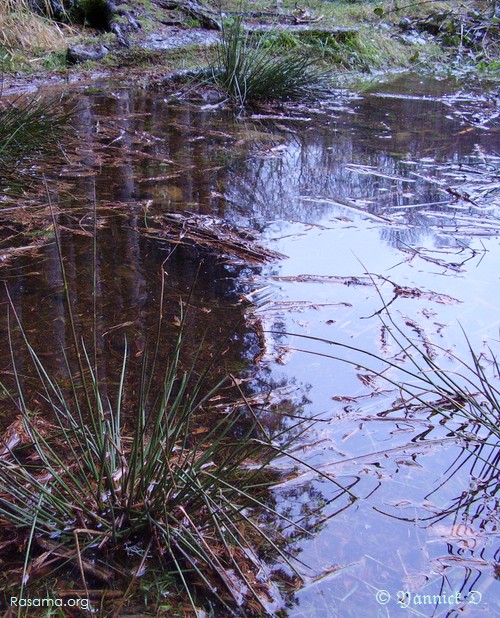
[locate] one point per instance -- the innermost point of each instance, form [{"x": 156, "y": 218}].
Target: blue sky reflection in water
[
  {"x": 391, "y": 196},
  {"x": 362, "y": 186}
]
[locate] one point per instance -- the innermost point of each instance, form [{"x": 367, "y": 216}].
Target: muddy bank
[{"x": 145, "y": 41}]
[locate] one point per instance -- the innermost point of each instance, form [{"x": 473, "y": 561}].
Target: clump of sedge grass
[
  {"x": 250, "y": 68},
  {"x": 105, "y": 478},
  {"x": 28, "y": 127}
]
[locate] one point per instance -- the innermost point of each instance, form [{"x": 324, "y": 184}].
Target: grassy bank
[
  {"x": 344, "y": 36},
  {"x": 29, "y": 41}
]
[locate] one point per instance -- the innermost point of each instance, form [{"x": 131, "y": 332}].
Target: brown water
[{"x": 358, "y": 185}]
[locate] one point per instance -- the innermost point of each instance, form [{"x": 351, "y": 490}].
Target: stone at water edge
[{"x": 86, "y": 51}]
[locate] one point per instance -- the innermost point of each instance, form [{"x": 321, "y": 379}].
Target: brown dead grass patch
[{"x": 20, "y": 28}]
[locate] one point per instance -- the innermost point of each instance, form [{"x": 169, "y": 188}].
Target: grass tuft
[
  {"x": 29, "y": 127},
  {"x": 104, "y": 479},
  {"x": 250, "y": 68}
]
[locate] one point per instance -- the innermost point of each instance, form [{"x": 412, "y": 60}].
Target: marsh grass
[
  {"x": 108, "y": 484},
  {"x": 150, "y": 487},
  {"x": 462, "y": 396},
  {"x": 250, "y": 68},
  {"x": 29, "y": 127},
  {"x": 155, "y": 486},
  {"x": 21, "y": 28},
  {"x": 467, "y": 393},
  {"x": 470, "y": 392},
  {"x": 26, "y": 126}
]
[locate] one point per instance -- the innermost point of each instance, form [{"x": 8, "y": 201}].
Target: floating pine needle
[{"x": 210, "y": 234}]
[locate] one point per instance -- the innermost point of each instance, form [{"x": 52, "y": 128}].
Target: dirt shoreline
[{"x": 157, "y": 39}]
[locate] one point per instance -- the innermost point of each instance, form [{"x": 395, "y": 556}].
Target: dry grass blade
[
  {"x": 212, "y": 234},
  {"x": 21, "y": 28}
]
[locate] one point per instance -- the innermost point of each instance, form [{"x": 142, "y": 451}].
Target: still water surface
[{"x": 390, "y": 197}]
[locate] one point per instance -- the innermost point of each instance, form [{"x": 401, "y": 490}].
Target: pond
[{"x": 389, "y": 199}]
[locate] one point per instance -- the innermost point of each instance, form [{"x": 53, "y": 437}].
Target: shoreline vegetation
[
  {"x": 161, "y": 37},
  {"x": 163, "y": 497}
]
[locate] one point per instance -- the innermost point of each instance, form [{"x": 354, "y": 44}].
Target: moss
[
  {"x": 371, "y": 42},
  {"x": 362, "y": 49}
]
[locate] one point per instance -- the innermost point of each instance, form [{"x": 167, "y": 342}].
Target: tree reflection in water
[{"x": 366, "y": 175}]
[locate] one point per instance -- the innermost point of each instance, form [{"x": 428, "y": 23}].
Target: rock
[
  {"x": 211, "y": 95},
  {"x": 86, "y": 51},
  {"x": 195, "y": 10},
  {"x": 405, "y": 24},
  {"x": 115, "y": 28}
]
